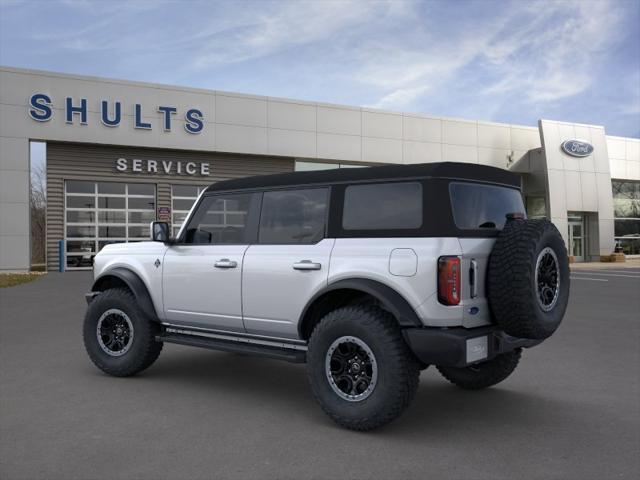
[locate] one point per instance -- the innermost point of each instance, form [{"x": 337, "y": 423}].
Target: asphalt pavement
[{"x": 571, "y": 410}]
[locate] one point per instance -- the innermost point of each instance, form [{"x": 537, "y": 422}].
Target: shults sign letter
[{"x": 41, "y": 109}]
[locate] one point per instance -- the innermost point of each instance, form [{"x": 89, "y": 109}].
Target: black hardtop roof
[{"x": 463, "y": 171}]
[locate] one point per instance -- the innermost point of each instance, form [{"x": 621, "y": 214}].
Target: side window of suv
[
  {"x": 221, "y": 219},
  {"x": 293, "y": 216},
  {"x": 383, "y": 206}
]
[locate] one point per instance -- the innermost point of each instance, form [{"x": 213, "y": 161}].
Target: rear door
[
  {"x": 290, "y": 262},
  {"x": 479, "y": 210}
]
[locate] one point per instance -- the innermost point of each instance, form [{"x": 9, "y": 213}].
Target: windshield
[{"x": 476, "y": 206}]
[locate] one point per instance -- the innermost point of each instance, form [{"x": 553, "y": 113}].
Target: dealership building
[{"x": 120, "y": 154}]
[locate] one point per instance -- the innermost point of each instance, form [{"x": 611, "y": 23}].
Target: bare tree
[{"x": 38, "y": 210}]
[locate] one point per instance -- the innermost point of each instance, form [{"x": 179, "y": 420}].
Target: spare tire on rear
[{"x": 528, "y": 278}]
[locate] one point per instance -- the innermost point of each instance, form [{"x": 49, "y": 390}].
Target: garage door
[
  {"x": 182, "y": 199},
  {"x": 99, "y": 213}
]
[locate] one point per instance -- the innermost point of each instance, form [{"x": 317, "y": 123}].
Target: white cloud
[
  {"x": 401, "y": 96},
  {"x": 553, "y": 56},
  {"x": 543, "y": 52},
  {"x": 474, "y": 59},
  {"x": 286, "y": 25},
  {"x": 631, "y": 92},
  {"x": 407, "y": 75}
]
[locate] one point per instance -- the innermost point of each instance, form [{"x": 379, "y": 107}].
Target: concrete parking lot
[{"x": 571, "y": 410}]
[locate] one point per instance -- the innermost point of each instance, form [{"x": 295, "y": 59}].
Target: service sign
[
  {"x": 577, "y": 148},
  {"x": 162, "y": 167}
]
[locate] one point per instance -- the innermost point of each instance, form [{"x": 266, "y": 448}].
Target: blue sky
[{"x": 512, "y": 62}]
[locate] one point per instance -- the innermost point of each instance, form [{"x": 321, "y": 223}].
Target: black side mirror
[{"x": 160, "y": 232}]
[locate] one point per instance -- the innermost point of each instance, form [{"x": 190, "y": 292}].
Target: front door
[
  {"x": 576, "y": 237},
  {"x": 290, "y": 262},
  {"x": 202, "y": 272}
]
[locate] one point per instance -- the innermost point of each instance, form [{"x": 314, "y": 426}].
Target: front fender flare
[{"x": 135, "y": 284}]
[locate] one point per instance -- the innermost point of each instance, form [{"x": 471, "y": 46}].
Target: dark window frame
[{"x": 437, "y": 211}]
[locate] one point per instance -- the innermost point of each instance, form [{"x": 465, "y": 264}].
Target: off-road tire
[
  {"x": 511, "y": 284},
  {"x": 144, "y": 349},
  {"x": 398, "y": 369},
  {"x": 483, "y": 375}
]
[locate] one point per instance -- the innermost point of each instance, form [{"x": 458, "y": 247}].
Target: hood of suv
[{"x": 135, "y": 248}]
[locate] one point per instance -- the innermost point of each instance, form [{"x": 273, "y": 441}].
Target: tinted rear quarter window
[
  {"x": 476, "y": 206},
  {"x": 383, "y": 206}
]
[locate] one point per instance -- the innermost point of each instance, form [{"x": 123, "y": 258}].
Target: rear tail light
[{"x": 449, "y": 280}]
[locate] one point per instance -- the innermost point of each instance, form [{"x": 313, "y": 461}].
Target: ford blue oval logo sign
[{"x": 577, "y": 148}]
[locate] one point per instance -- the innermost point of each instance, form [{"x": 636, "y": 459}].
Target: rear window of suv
[
  {"x": 383, "y": 206},
  {"x": 476, "y": 206}
]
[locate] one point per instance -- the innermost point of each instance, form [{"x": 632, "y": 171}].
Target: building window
[
  {"x": 100, "y": 213},
  {"x": 626, "y": 211},
  {"x": 182, "y": 199},
  {"x": 309, "y": 166},
  {"x": 536, "y": 207}
]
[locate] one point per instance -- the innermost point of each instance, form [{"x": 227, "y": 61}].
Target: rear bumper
[{"x": 460, "y": 347}]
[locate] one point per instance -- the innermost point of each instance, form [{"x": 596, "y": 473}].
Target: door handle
[
  {"x": 306, "y": 265},
  {"x": 225, "y": 263},
  {"x": 473, "y": 278}
]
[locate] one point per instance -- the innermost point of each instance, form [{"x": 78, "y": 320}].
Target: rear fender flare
[{"x": 392, "y": 301}]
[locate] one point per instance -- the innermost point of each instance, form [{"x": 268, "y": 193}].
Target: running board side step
[{"x": 235, "y": 346}]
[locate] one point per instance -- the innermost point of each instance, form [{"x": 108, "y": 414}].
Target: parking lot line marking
[
  {"x": 592, "y": 279},
  {"x": 606, "y": 274}
]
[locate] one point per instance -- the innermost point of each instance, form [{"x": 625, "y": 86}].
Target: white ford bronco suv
[{"x": 368, "y": 275}]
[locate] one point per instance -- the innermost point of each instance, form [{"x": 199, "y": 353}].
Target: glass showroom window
[
  {"x": 626, "y": 210},
  {"x": 536, "y": 207},
  {"x": 309, "y": 166},
  {"x": 182, "y": 199},
  {"x": 99, "y": 213}
]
